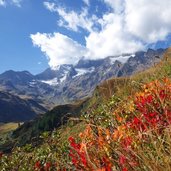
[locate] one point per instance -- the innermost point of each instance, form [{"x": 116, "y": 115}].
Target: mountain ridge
[{"x": 74, "y": 82}]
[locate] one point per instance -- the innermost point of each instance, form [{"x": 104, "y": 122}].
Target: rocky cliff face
[{"x": 141, "y": 61}]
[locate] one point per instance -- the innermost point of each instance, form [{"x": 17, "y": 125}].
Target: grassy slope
[{"x": 5, "y": 128}]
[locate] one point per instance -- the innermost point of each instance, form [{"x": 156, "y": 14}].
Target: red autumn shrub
[{"x": 115, "y": 147}]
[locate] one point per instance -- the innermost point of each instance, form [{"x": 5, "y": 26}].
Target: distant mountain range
[{"x": 66, "y": 83}]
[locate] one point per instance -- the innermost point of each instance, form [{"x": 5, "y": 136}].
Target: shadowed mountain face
[
  {"x": 15, "y": 109},
  {"x": 67, "y": 82}
]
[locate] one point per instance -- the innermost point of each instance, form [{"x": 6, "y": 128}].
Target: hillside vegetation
[
  {"x": 6, "y": 129},
  {"x": 125, "y": 126}
]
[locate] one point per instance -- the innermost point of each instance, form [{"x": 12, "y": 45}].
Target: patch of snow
[
  {"x": 63, "y": 78},
  {"x": 55, "y": 81},
  {"x": 82, "y": 71},
  {"x": 121, "y": 58},
  {"x": 32, "y": 83},
  {"x": 62, "y": 75},
  {"x": 52, "y": 82}
]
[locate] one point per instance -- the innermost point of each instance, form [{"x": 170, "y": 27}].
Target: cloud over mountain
[
  {"x": 126, "y": 26},
  {"x": 58, "y": 48}
]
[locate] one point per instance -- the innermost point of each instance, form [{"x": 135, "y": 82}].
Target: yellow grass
[{"x": 4, "y": 128}]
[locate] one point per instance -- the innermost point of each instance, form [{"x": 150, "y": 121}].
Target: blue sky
[
  {"x": 36, "y": 34},
  {"x": 16, "y": 25}
]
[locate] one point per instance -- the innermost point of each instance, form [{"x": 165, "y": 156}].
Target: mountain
[
  {"x": 58, "y": 73},
  {"x": 67, "y": 83},
  {"x": 79, "y": 81},
  {"x": 15, "y": 109},
  {"x": 141, "y": 61},
  {"x": 22, "y": 77}
]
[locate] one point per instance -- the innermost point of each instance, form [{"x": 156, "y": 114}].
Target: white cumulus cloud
[
  {"x": 58, "y": 48},
  {"x": 71, "y": 19},
  {"x": 112, "y": 40},
  {"x": 127, "y": 26},
  {"x": 150, "y": 20},
  {"x": 74, "y": 21}
]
